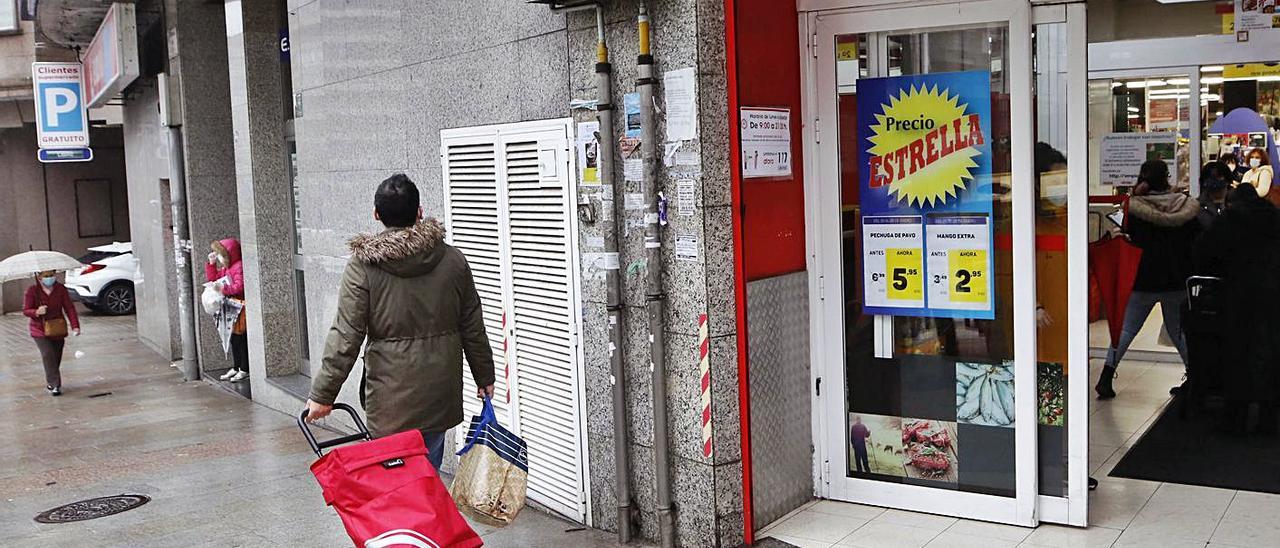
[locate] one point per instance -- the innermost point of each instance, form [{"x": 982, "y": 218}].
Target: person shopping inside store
[
  {"x": 1260, "y": 175},
  {"x": 1215, "y": 178},
  {"x": 1164, "y": 224},
  {"x": 1243, "y": 248}
]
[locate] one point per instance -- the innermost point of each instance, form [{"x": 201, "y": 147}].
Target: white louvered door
[
  {"x": 475, "y": 223},
  {"x": 534, "y": 236}
]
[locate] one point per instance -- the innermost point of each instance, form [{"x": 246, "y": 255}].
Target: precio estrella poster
[{"x": 924, "y": 155}]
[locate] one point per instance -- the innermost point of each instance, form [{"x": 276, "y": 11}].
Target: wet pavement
[{"x": 222, "y": 471}]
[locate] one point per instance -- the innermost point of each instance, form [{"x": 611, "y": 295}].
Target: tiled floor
[{"x": 1123, "y": 513}]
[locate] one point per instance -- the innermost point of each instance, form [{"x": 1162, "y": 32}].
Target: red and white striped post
[{"x": 704, "y": 362}]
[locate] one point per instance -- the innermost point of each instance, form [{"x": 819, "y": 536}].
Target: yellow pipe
[{"x": 644, "y": 31}]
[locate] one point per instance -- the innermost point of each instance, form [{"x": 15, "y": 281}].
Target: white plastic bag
[{"x": 211, "y": 299}]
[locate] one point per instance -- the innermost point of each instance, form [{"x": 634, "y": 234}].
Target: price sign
[
  {"x": 905, "y": 281},
  {"x": 892, "y": 262},
  {"x": 968, "y": 275},
  {"x": 959, "y": 262}
]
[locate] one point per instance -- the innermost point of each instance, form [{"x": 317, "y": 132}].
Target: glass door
[{"x": 924, "y": 244}]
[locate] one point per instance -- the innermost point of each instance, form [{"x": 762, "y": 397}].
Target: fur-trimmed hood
[
  {"x": 1170, "y": 209},
  {"x": 405, "y": 252}
]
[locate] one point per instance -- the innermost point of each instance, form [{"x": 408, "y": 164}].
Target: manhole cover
[{"x": 92, "y": 509}]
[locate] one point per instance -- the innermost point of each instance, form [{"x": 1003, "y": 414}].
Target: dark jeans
[
  {"x": 240, "y": 352},
  {"x": 860, "y": 459},
  {"x": 51, "y": 355},
  {"x": 435, "y": 447},
  {"x": 1135, "y": 316}
]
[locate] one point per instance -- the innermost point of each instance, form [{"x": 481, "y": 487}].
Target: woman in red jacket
[
  {"x": 48, "y": 301},
  {"x": 225, "y": 270}
]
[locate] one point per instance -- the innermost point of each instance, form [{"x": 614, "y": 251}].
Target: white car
[{"x": 106, "y": 283}]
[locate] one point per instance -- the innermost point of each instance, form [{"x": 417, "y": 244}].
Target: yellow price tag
[
  {"x": 968, "y": 275},
  {"x": 906, "y": 274},
  {"x": 846, "y": 51}
]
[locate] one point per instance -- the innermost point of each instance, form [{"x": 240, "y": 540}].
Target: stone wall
[
  {"x": 147, "y": 158},
  {"x": 24, "y": 185},
  {"x": 373, "y": 103}
]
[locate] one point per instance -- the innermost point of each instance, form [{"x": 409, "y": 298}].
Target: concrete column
[
  {"x": 200, "y": 64},
  {"x": 262, "y": 183}
]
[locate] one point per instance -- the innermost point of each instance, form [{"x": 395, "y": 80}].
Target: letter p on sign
[{"x": 61, "y": 107}]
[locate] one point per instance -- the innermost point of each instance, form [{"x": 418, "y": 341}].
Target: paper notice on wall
[
  {"x": 588, "y": 153},
  {"x": 683, "y": 153},
  {"x": 599, "y": 261},
  {"x": 679, "y": 89},
  {"x": 766, "y": 142},
  {"x": 596, "y": 242},
  {"x": 631, "y": 114},
  {"x": 633, "y": 170},
  {"x": 1123, "y": 154},
  {"x": 686, "y": 197},
  {"x": 686, "y": 247},
  {"x": 1254, "y": 15},
  {"x": 959, "y": 262},
  {"x": 635, "y": 201}
]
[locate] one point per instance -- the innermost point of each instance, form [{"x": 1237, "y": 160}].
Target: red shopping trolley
[{"x": 386, "y": 491}]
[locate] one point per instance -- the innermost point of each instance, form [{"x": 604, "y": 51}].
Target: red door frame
[{"x": 740, "y": 277}]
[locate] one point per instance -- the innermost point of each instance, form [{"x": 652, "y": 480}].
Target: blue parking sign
[{"x": 61, "y": 117}]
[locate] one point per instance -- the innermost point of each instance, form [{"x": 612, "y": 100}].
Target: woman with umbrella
[{"x": 49, "y": 306}]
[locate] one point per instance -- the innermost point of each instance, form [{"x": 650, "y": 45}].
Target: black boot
[{"x": 1104, "y": 389}]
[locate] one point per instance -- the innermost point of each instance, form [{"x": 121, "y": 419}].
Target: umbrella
[
  {"x": 1114, "y": 262},
  {"x": 26, "y": 265}
]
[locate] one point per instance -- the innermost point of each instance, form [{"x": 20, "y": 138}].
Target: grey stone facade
[
  {"x": 147, "y": 156},
  {"x": 373, "y": 103}
]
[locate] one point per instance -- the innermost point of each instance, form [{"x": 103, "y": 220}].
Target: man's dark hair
[
  {"x": 1156, "y": 174},
  {"x": 397, "y": 201}
]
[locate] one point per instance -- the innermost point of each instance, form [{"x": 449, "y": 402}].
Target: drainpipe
[
  {"x": 181, "y": 232},
  {"x": 654, "y": 294},
  {"x": 613, "y": 285},
  {"x": 182, "y": 255},
  {"x": 613, "y": 279}
]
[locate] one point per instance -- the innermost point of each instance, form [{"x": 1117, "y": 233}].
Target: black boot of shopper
[{"x": 1104, "y": 389}]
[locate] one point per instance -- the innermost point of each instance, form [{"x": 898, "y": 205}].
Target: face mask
[
  {"x": 49, "y": 281},
  {"x": 1255, "y": 162}
]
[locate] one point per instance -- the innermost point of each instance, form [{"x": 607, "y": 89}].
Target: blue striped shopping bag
[{"x": 493, "y": 473}]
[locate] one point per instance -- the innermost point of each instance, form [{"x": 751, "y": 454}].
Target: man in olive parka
[{"x": 413, "y": 297}]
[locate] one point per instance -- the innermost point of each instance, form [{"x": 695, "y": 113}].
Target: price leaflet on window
[
  {"x": 926, "y": 201},
  {"x": 892, "y": 261},
  {"x": 959, "y": 261}
]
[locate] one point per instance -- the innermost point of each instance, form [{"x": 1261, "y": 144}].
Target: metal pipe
[
  {"x": 656, "y": 299},
  {"x": 613, "y": 285},
  {"x": 182, "y": 255}
]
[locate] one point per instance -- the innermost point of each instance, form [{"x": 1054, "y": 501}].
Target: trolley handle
[
  {"x": 317, "y": 446},
  {"x": 1194, "y": 283}
]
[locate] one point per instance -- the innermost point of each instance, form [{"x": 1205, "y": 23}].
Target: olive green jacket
[{"x": 412, "y": 296}]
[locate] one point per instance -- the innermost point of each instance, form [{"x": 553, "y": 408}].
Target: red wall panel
[{"x": 768, "y": 75}]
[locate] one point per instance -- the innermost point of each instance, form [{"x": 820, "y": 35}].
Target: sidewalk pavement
[{"x": 221, "y": 470}]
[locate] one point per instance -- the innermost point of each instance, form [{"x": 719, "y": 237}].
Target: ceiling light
[
  {"x": 1135, "y": 85},
  {"x": 1211, "y": 68},
  {"x": 1179, "y": 81}
]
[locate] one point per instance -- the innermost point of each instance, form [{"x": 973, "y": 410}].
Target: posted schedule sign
[{"x": 925, "y": 163}]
